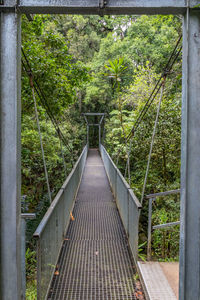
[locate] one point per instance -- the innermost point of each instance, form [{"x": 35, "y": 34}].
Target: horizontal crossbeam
[
  {"x": 171, "y": 224},
  {"x": 109, "y": 7},
  {"x": 161, "y": 194},
  {"x": 93, "y": 114}
]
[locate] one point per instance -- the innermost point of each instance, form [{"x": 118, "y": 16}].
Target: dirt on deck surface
[{"x": 171, "y": 271}]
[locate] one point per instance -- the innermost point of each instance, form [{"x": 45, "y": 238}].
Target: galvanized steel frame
[
  {"x": 85, "y": 115},
  {"x": 190, "y": 161},
  {"x": 10, "y": 128},
  {"x": 100, "y": 6},
  {"x": 10, "y": 163}
]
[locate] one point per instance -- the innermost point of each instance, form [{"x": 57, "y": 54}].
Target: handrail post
[
  {"x": 99, "y": 135},
  {"x": 39, "y": 277},
  {"x": 149, "y": 229},
  {"x": 128, "y": 207},
  {"x": 23, "y": 257},
  {"x": 115, "y": 183},
  {"x": 88, "y": 136}
]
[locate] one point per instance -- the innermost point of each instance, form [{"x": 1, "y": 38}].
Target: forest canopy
[{"x": 104, "y": 64}]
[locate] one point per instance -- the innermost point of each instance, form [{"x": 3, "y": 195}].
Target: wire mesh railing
[
  {"x": 126, "y": 201},
  {"x": 51, "y": 230}
]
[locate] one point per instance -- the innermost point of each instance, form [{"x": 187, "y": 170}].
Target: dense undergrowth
[{"x": 68, "y": 55}]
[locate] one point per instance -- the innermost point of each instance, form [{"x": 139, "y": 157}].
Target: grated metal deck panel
[{"x": 94, "y": 263}]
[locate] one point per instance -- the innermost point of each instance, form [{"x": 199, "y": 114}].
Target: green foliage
[
  {"x": 31, "y": 290},
  {"x": 165, "y": 161},
  {"x": 68, "y": 55},
  {"x": 165, "y": 242},
  {"x": 141, "y": 254},
  {"x": 141, "y": 41},
  {"x": 55, "y": 69},
  {"x": 33, "y": 180},
  {"x": 116, "y": 69},
  {"x": 31, "y": 264},
  {"x": 60, "y": 76},
  {"x": 148, "y": 39}
]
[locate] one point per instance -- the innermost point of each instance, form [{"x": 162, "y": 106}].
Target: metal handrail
[
  {"x": 51, "y": 230},
  {"x": 133, "y": 196},
  {"x": 127, "y": 203},
  {"x": 162, "y": 194},
  {"x": 152, "y": 197},
  {"x": 50, "y": 210}
]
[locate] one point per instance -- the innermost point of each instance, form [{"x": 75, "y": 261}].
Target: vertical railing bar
[
  {"x": 99, "y": 135},
  {"x": 63, "y": 234},
  {"x": 88, "y": 136},
  {"x": 23, "y": 257},
  {"x": 149, "y": 229},
  {"x": 128, "y": 199},
  {"x": 116, "y": 183},
  {"x": 38, "y": 270}
]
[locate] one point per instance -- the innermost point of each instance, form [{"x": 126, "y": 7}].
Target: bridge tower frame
[
  {"x": 10, "y": 119},
  {"x": 86, "y": 115}
]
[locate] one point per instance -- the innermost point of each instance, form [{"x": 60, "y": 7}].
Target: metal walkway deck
[{"x": 94, "y": 263}]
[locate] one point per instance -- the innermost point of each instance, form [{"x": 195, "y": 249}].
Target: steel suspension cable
[
  {"x": 128, "y": 163},
  {"x": 45, "y": 103},
  {"x": 57, "y": 129},
  {"x": 39, "y": 92},
  {"x": 41, "y": 142},
  {"x": 152, "y": 140},
  {"x": 63, "y": 158},
  {"x": 168, "y": 67}
]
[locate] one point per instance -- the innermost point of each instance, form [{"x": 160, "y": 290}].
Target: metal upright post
[
  {"x": 88, "y": 128},
  {"x": 189, "y": 287},
  {"x": 23, "y": 257},
  {"x": 99, "y": 135},
  {"x": 149, "y": 229},
  {"x": 103, "y": 139},
  {"x": 10, "y": 208}
]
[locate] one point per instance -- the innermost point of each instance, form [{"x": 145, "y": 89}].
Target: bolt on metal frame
[{"x": 10, "y": 89}]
